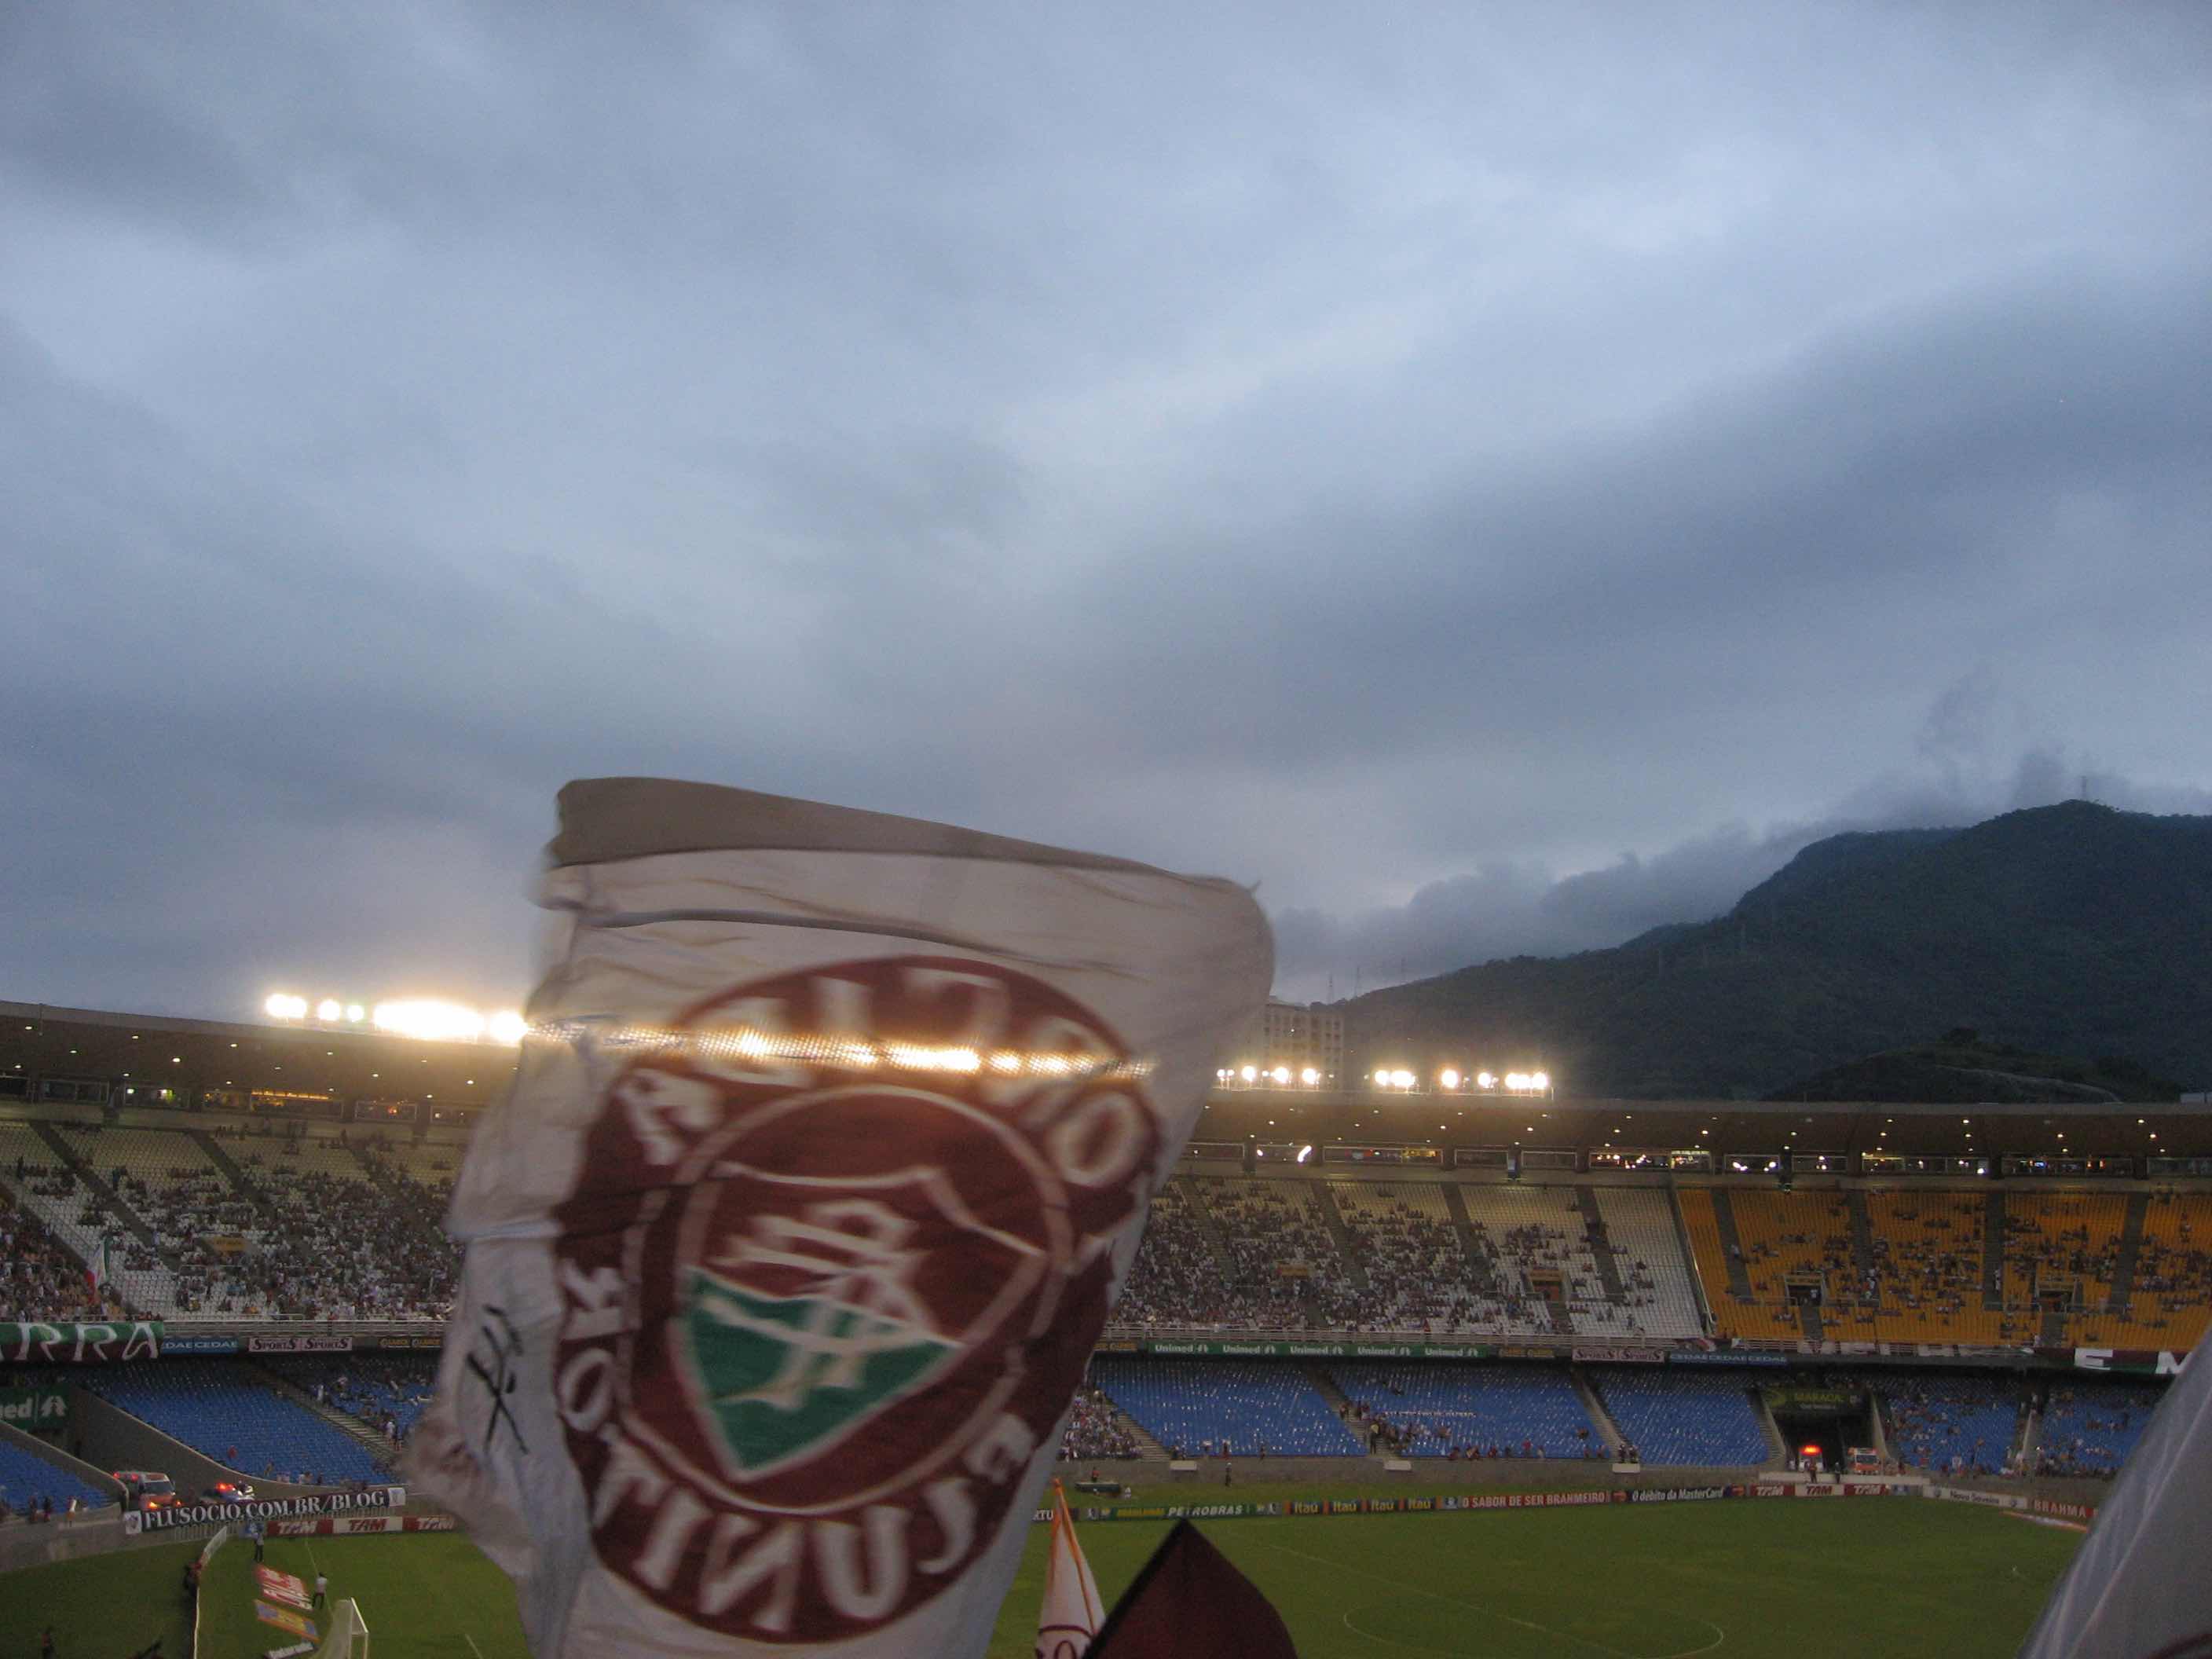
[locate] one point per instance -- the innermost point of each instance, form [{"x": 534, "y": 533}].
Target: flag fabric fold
[
  {"x": 830, "y": 1142},
  {"x": 1189, "y": 1601},
  {"x": 2139, "y": 1587},
  {"x": 1069, "y": 1613}
]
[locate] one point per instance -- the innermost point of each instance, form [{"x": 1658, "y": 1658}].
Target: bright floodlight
[
  {"x": 506, "y": 1026},
  {"x": 1403, "y": 1079},
  {"x": 327, "y": 1010},
  {"x": 1484, "y": 1080},
  {"x": 355, "y": 1013},
  {"x": 283, "y": 1006},
  {"x": 1250, "y": 1074},
  {"x": 1305, "y": 1153},
  {"x": 1516, "y": 1080},
  {"x": 1449, "y": 1078},
  {"x": 425, "y": 1017},
  {"x": 1540, "y": 1080},
  {"x": 1280, "y": 1075},
  {"x": 1309, "y": 1077}
]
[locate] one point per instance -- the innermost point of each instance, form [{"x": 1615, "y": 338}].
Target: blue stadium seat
[
  {"x": 24, "y": 1475},
  {"x": 1675, "y": 1416},
  {"x": 2092, "y": 1428},
  {"x": 217, "y": 1405},
  {"x": 1188, "y": 1402},
  {"x": 369, "y": 1386},
  {"x": 1951, "y": 1422},
  {"x": 1444, "y": 1405}
]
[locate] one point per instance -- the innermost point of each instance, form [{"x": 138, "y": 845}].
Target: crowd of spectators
[
  {"x": 1282, "y": 1271},
  {"x": 39, "y": 1280},
  {"x": 1094, "y": 1431},
  {"x": 343, "y": 1246},
  {"x": 1953, "y": 1426},
  {"x": 1175, "y": 1280},
  {"x": 2091, "y": 1430}
]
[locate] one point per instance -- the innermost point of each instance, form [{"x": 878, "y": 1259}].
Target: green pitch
[{"x": 1792, "y": 1580}]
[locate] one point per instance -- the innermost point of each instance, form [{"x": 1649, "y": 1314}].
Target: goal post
[{"x": 349, "y": 1633}]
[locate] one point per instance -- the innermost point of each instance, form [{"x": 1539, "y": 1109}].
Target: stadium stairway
[
  {"x": 1599, "y": 1417},
  {"x": 1478, "y": 1270},
  {"x": 1993, "y": 1243},
  {"x": 1208, "y": 1228},
  {"x": 232, "y": 1173},
  {"x": 1731, "y": 1244},
  {"x": 2054, "y": 1331},
  {"x": 1809, "y": 1320},
  {"x": 2124, "y": 1261},
  {"x": 1777, "y": 1448},
  {"x": 1689, "y": 1253},
  {"x": 1325, "y": 1386},
  {"x": 1609, "y": 1270},
  {"x": 1346, "y": 1248},
  {"x": 1861, "y": 1233},
  {"x": 74, "y": 1162},
  {"x": 343, "y": 1421}
]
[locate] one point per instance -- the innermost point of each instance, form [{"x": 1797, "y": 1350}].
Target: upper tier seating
[
  {"x": 38, "y": 1279},
  {"x": 1193, "y": 1406},
  {"x": 1951, "y": 1425},
  {"x": 1175, "y": 1280},
  {"x": 229, "y": 1412},
  {"x": 2172, "y": 1297},
  {"x": 1283, "y": 1272},
  {"x": 1648, "y": 1256},
  {"x": 1678, "y": 1417},
  {"x": 1441, "y": 1409},
  {"x": 1418, "y": 1277}
]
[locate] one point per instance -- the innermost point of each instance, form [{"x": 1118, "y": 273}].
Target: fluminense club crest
[{"x": 838, "y": 1250}]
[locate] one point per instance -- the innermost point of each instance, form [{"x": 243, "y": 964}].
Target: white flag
[
  {"x": 1071, "y": 1612},
  {"x": 787, "y": 1247},
  {"x": 2139, "y": 1587}
]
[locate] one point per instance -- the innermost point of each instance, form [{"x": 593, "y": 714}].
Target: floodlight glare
[
  {"x": 355, "y": 1013},
  {"x": 1250, "y": 1074},
  {"x": 1449, "y": 1078},
  {"x": 1309, "y": 1077},
  {"x": 1484, "y": 1080},
  {"x": 1403, "y": 1079},
  {"x": 1280, "y": 1074},
  {"x": 1539, "y": 1080},
  {"x": 327, "y": 1010},
  {"x": 507, "y": 1027}
]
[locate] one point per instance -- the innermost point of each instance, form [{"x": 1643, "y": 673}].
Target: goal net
[{"x": 349, "y": 1633}]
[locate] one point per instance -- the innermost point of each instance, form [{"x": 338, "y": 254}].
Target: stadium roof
[{"x": 150, "y": 1052}]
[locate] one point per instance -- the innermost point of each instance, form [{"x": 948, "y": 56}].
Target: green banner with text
[
  {"x": 27, "y": 1343},
  {"x": 35, "y": 1409}
]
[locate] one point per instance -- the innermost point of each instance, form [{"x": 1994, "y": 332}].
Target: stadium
[{"x": 1422, "y": 1352}]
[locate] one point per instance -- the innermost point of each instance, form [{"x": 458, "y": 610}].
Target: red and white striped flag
[
  {"x": 1071, "y": 1613},
  {"x": 831, "y": 1144}
]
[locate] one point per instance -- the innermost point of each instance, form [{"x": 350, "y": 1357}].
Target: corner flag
[
  {"x": 1070, "y": 1614},
  {"x": 829, "y": 1145}
]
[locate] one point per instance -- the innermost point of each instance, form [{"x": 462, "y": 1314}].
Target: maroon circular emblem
[{"x": 837, "y": 1252}]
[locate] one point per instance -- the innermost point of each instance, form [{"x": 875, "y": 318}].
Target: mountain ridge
[{"x": 2073, "y": 929}]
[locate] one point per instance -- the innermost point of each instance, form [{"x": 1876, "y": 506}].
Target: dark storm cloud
[{"x": 1402, "y": 457}]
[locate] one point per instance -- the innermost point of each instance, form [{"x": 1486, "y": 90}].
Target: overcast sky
[{"x": 1497, "y": 477}]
